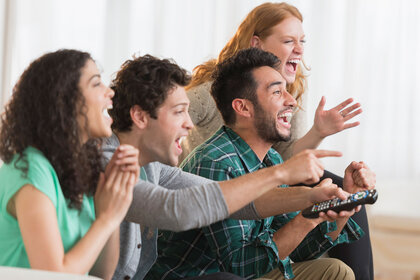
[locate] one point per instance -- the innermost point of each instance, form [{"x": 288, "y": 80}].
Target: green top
[
  {"x": 243, "y": 247},
  {"x": 73, "y": 224}
]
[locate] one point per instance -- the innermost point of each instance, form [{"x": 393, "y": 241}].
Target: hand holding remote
[{"x": 337, "y": 205}]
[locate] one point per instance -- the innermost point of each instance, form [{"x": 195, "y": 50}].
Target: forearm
[
  {"x": 289, "y": 236},
  {"x": 81, "y": 258},
  {"x": 43, "y": 242},
  {"x": 108, "y": 259},
  {"x": 177, "y": 210},
  {"x": 283, "y": 200},
  {"x": 311, "y": 140},
  {"x": 242, "y": 190},
  {"x": 315, "y": 243}
]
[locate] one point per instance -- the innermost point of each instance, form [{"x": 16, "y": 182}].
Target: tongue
[{"x": 291, "y": 67}]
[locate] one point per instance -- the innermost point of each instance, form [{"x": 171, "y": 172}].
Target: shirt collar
[{"x": 249, "y": 159}]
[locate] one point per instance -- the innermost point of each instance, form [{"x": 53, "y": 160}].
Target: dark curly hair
[
  {"x": 43, "y": 112},
  {"x": 144, "y": 81},
  {"x": 233, "y": 78}
]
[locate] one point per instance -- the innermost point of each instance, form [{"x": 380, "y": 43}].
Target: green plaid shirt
[{"x": 242, "y": 247}]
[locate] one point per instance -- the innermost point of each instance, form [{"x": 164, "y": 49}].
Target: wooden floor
[{"x": 396, "y": 247}]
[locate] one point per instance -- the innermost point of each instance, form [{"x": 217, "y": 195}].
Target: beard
[{"x": 266, "y": 127}]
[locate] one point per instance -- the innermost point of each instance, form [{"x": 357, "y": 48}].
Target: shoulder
[
  {"x": 34, "y": 169},
  {"x": 217, "y": 151},
  {"x": 38, "y": 166}
]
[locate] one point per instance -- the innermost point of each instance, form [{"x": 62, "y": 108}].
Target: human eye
[
  {"x": 303, "y": 41},
  {"x": 179, "y": 111}
]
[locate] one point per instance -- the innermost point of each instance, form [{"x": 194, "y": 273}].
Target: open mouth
[
  {"x": 285, "y": 118},
  {"x": 178, "y": 142},
  {"x": 105, "y": 112},
  {"x": 292, "y": 64}
]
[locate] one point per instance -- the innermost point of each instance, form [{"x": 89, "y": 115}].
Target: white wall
[{"x": 356, "y": 48}]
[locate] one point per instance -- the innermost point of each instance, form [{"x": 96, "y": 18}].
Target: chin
[
  {"x": 174, "y": 162},
  {"x": 290, "y": 80}
]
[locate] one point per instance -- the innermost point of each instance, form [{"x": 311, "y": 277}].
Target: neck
[
  {"x": 250, "y": 135},
  {"x": 134, "y": 139}
]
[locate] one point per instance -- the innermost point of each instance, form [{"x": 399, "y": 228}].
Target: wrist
[
  {"x": 106, "y": 224},
  {"x": 315, "y": 133},
  {"x": 280, "y": 174},
  {"x": 307, "y": 224}
]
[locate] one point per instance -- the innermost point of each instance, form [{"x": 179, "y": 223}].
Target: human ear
[
  {"x": 139, "y": 116},
  {"x": 242, "y": 107},
  {"x": 255, "y": 42}
]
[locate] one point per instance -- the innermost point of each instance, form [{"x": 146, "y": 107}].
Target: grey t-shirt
[{"x": 169, "y": 199}]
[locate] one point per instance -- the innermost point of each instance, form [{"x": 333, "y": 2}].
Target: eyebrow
[
  {"x": 179, "y": 104},
  {"x": 274, "y": 84},
  {"x": 94, "y": 76}
]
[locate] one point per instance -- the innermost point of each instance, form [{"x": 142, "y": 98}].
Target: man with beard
[
  {"x": 251, "y": 96},
  {"x": 150, "y": 112}
]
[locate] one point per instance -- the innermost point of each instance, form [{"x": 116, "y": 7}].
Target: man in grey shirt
[{"x": 150, "y": 112}]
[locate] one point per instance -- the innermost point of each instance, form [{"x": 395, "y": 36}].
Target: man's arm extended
[{"x": 200, "y": 204}]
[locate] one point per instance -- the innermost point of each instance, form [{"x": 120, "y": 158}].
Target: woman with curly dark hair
[{"x": 58, "y": 210}]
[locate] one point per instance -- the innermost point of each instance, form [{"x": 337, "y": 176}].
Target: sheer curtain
[{"x": 355, "y": 48}]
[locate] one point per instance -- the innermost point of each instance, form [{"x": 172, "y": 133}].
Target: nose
[
  {"x": 110, "y": 92},
  {"x": 298, "y": 49},
  {"x": 289, "y": 100},
  {"x": 188, "y": 124}
]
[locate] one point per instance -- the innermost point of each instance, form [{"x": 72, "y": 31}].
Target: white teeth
[
  {"x": 109, "y": 106},
  {"x": 294, "y": 61},
  {"x": 181, "y": 139},
  {"x": 287, "y": 115},
  {"x": 105, "y": 113}
]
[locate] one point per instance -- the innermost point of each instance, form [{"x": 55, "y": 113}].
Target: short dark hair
[
  {"x": 233, "y": 78},
  {"x": 144, "y": 81}
]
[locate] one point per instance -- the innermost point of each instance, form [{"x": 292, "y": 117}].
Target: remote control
[{"x": 337, "y": 205}]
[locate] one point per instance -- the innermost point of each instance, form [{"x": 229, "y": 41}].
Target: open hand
[{"x": 336, "y": 119}]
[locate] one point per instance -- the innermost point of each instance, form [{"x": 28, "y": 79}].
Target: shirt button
[
  {"x": 139, "y": 246},
  {"x": 127, "y": 277}
]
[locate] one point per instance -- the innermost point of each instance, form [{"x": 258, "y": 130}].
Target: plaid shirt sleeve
[{"x": 317, "y": 242}]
